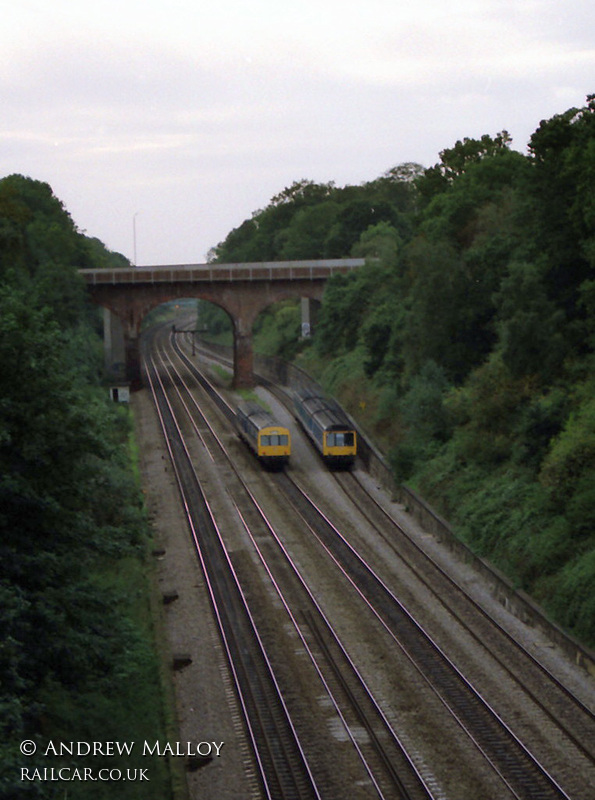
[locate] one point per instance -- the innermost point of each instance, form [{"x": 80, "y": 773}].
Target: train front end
[
  {"x": 339, "y": 447},
  {"x": 274, "y": 447}
]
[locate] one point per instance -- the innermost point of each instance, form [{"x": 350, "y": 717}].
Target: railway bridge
[{"x": 243, "y": 290}]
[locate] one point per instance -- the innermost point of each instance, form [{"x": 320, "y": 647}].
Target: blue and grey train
[{"x": 327, "y": 426}]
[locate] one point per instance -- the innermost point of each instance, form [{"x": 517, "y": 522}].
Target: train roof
[
  {"x": 259, "y": 416},
  {"x": 327, "y": 412}
]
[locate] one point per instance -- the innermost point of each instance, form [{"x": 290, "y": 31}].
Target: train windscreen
[
  {"x": 343, "y": 439},
  {"x": 274, "y": 440}
]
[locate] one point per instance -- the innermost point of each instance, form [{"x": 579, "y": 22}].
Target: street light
[{"x": 136, "y": 213}]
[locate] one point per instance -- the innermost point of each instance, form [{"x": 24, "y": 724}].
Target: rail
[{"x": 515, "y": 600}]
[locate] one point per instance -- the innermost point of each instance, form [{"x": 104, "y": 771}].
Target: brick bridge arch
[{"x": 242, "y": 290}]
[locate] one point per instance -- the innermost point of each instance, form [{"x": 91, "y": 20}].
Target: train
[
  {"x": 327, "y": 426},
  {"x": 269, "y": 441}
]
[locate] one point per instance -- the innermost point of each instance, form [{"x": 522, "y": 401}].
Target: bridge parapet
[{"x": 209, "y": 273}]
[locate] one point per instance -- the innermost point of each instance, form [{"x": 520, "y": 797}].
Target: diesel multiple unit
[
  {"x": 270, "y": 442},
  {"x": 327, "y": 426}
]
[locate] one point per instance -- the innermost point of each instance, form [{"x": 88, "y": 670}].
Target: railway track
[
  {"x": 386, "y": 765},
  {"x": 280, "y": 761},
  {"x": 561, "y": 706},
  {"x": 355, "y": 705},
  {"x": 522, "y": 773}
]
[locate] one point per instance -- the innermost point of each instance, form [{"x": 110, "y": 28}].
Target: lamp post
[{"x": 136, "y": 213}]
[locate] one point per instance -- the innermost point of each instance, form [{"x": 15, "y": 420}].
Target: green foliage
[
  {"x": 341, "y": 315},
  {"x": 341, "y": 376},
  {"x": 449, "y": 310},
  {"x": 425, "y": 420},
  {"x": 37, "y": 232},
  {"x": 456, "y": 160},
  {"x": 381, "y": 334},
  {"x": 277, "y": 330},
  {"x": 571, "y": 596},
  {"x": 307, "y": 235},
  {"x": 309, "y": 220},
  {"x": 563, "y": 150},
  {"x": 214, "y": 323},
  {"x": 503, "y": 519},
  {"x": 348, "y": 299},
  {"x": 70, "y": 509},
  {"x": 530, "y": 326},
  {"x": 353, "y": 220},
  {"x": 570, "y": 463},
  {"x": 380, "y": 241},
  {"x": 453, "y": 265}
]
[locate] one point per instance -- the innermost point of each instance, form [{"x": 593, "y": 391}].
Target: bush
[{"x": 572, "y": 597}]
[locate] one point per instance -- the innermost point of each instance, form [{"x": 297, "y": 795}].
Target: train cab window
[
  {"x": 339, "y": 439},
  {"x": 274, "y": 440}
]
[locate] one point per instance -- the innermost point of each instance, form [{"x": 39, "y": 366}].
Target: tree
[
  {"x": 303, "y": 192},
  {"x": 530, "y": 326},
  {"x": 380, "y": 241},
  {"x": 310, "y": 220},
  {"x": 407, "y": 172},
  {"x": 305, "y": 236},
  {"x": 352, "y": 221},
  {"x": 455, "y": 160},
  {"x": 563, "y": 152},
  {"x": 67, "y": 499}
]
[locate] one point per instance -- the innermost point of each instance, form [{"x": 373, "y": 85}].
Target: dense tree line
[
  {"x": 469, "y": 338},
  {"x": 70, "y": 510},
  {"x": 310, "y": 220}
]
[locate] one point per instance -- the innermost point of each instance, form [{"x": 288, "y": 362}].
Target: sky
[{"x": 163, "y": 124}]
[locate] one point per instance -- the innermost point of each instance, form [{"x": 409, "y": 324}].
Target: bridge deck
[{"x": 195, "y": 273}]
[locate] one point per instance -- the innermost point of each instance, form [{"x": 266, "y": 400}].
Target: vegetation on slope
[
  {"x": 76, "y": 658},
  {"x": 467, "y": 345}
]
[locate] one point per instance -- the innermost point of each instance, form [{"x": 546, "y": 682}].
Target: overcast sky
[{"x": 163, "y": 124}]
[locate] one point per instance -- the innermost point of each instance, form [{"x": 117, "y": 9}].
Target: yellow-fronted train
[
  {"x": 270, "y": 442},
  {"x": 327, "y": 426}
]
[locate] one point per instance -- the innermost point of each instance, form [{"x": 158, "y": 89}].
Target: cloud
[{"x": 195, "y": 114}]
